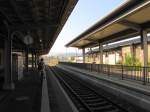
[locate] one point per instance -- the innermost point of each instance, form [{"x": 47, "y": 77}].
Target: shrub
[{"x": 131, "y": 61}]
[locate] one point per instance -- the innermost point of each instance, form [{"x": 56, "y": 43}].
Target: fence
[{"x": 138, "y": 73}]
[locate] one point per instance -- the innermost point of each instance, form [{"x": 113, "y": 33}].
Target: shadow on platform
[{"x": 26, "y": 97}]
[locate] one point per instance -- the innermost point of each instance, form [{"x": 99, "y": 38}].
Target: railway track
[{"x": 85, "y": 98}]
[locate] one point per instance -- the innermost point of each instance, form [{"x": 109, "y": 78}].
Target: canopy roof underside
[
  {"x": 42, "y": 19},
  {"x": 126, "y": 21}
]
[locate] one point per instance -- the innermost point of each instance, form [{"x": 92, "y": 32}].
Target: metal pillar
[
  {"x": 91, "y": 58},
  {"x": 26, "y": 59},
  {"x": 8, "y": 82},
  {"x": 101, "y": 52},
  {"x": 32, "y": 60},
  {"x": 115, "y": 58},
  {"x": 35, "y": 60},
  {"x": 8, "y": 78},
  {"x": 144, "y": 47},
  {"x": 83, "y": 54},
  {"x": 132, "y": 47}
]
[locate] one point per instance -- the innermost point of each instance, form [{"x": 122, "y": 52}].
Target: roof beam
[
  {"x": 32, "y": 26},
  {"x": 115, "y": 37},
  {"x": 130, "y": 24},
  {"x": 17, "y": 10},
  {"x": 90, "y": 40}
]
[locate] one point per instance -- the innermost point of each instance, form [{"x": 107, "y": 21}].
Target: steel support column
[
  {"x": 132, "y": 48},
  {"x": 101, "y": 52},
  {"x": 115, "y": 58},
  {"x": 26, "y": 59},
  {"x": 8, "y": 78},
  {"x": 32, "y": 60},
  {"x": 144, "y": 47},
  {"x": 8, "y": 82},
  {"x": 91, "y": 56},
  {"x": 83, "y": 54},
  {"x": 35, "y": 60}
]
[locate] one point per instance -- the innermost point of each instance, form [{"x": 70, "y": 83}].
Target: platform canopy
[
  {"x": 126, "y": 21},
  {"x": 40, "y": 19}
]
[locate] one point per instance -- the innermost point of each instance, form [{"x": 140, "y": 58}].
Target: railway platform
[
  {"x": 25, "y": 98},
  {"x": 59, "y": 101},
  {"x": 28, "y": 95},
  {"x": 127, "y": 90}
]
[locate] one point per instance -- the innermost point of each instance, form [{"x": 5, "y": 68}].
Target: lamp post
[{"x": 28, "y": 40}]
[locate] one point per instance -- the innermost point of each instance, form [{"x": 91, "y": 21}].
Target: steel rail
[
  {"x": 91, "y": 100},
  {"x": 72, "y": 91}
]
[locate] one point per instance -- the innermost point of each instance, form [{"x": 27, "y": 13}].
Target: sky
[{"x": 85, "y": 14}]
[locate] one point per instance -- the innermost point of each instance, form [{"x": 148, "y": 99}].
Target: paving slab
[{"x": 26, "y": 97}]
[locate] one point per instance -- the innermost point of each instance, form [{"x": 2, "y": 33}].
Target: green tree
[{"x": 131, "y": 61}]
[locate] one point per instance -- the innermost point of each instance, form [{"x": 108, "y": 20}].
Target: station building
[{"x": 116, "y": 53}]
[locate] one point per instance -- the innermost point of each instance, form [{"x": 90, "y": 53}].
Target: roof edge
[{"x": 125, "y": 7}]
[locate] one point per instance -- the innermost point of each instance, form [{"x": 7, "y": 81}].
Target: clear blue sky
[{"x": 84, "y": 15}]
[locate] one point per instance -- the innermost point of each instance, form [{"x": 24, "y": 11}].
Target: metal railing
[{"x": 138, "y": 73}]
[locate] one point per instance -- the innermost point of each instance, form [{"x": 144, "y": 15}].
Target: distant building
[{"x": 117, "y": 52}]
